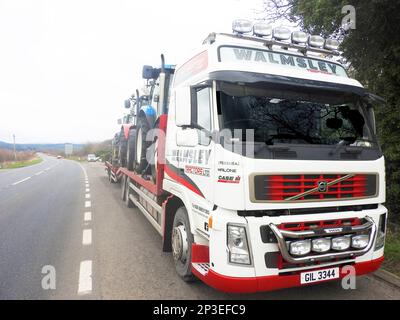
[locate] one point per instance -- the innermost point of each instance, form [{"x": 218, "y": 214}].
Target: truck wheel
[
  {"x": 141, "y": 145},
  {"x": 182, "y": 240},
  {"x": 131, "y": 149}
]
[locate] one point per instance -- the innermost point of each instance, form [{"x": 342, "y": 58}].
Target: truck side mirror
[
  {"x": 183, "y": 114},
  {"x": 148, "y": 72},
  {"x": 127, "y": 104},
  {"x": 187, "y": 137}
]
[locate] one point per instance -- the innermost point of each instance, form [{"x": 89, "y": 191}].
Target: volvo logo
[{"x": 322, "y": 186}]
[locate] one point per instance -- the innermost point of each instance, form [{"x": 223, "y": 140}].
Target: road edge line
[{"x": 389, "y": 277}]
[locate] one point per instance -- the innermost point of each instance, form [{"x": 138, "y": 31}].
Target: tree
[{"x": 373, "y": 50}]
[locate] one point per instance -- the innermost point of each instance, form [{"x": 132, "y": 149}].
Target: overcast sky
[{"x": 67, "y": 65}]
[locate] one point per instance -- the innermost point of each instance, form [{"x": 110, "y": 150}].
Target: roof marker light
[
  {"x": 262, "y": 29},
  {"x": 331, "y": 44},
  {"x": 316, "y": 41},
  {"x": 299, "y": 37},
  {"x": 242, "y": 26},
  {"x": 281, "y": 33}
]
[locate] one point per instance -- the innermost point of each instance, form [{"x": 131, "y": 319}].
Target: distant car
[
  {"x": 58, "y": 157},
  {"x": 91, "y": 158}
]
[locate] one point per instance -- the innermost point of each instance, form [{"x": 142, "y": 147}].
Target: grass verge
[
  {"x": 20, "y": 164},
  {"x": 392, "y": 252}
]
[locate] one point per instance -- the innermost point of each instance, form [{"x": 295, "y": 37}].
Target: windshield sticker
[{"x": 234, "y": 54}]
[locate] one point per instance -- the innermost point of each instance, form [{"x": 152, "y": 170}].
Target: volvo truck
[{"x": 257, "y": 162}]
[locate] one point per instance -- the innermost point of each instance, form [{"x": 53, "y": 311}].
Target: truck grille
[{"x": 313, "y": 187}]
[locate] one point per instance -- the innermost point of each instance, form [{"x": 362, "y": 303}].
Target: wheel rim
[
  {"x": 139, "y": 146},
  {"x": 179, "y": 243}
]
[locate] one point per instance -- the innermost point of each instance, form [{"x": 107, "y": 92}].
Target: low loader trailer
[{"x": 257, "y": 162}]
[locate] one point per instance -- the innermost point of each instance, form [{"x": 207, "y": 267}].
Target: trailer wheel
[
  {"x": 182, "y": 240},
  {"x": 127, "y": 189},
  {"x": 131, "y": 149},
  {"x": 109, "y": 176},
  {"x": 123, "y": 185},
  {"x": 141, "y": 145}
]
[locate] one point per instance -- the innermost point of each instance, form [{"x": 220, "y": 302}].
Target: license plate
[{"x": 319, "y": 275}]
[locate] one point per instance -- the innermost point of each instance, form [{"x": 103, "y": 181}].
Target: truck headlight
[
  {"x": 237, "y": 245},
  {"x": 321, "y": 245},
  {"x": 300, "y": 248},
  {"x": 380, "y": 237},
  {"x": 360, "y": 241},
  {"x": 341, "y": 243}
]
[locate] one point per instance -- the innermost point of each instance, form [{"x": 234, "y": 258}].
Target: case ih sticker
[{"x": 229, "y": 179}]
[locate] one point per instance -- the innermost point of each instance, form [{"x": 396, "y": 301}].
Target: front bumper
[
  {"x": 269, "y": 270},
  {"x": 270, "y": 283}
]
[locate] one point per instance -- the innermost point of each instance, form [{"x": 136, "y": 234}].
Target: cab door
[{"x": 195, "y": 162}]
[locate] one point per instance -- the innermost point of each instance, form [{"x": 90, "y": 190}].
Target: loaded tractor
[{"x": 257, "y": 161}]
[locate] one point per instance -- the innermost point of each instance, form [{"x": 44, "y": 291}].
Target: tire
[
  {"x": 109, "y": 176},
  {"x": 131, "y": 150},
  {"x": 122, "y": 150},
  {"x": 141, "y": 145},
  {"x": 115, "y": 149},
  {"x": 128, "y": 201},
  {"x": 123, "y": 185},
  {"x": 181, "y": 241}
]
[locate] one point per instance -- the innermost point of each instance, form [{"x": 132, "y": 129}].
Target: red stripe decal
[{"x": 180, "y": 179}]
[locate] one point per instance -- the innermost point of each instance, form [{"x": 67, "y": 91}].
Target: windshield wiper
[
  {"x": 340, "y": 144},
  {"x": 344, "y": 142},
  {"x": 289, "y": 136}
]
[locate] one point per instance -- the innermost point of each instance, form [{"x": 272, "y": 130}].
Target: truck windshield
[{"x": 294, "y": 115}]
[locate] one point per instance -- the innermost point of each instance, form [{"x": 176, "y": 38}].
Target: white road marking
[
  {"x": 88, "y": 216},
  {"x": 87, "y": 237},
  {"x": 87, "y": 190},
  {"x": 20, "y": 181},
  {"x": 47, "y": 169},
  {"x": 85, "y": 277},
  {"x": 88, "y": 204},
  {"x": 87, "y": 185},
  {"x": 87, "y": 195},
  {"x": 38, "y": 173}
]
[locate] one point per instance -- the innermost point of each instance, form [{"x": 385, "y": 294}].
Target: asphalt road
[{"x": 65, "y": 218}]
